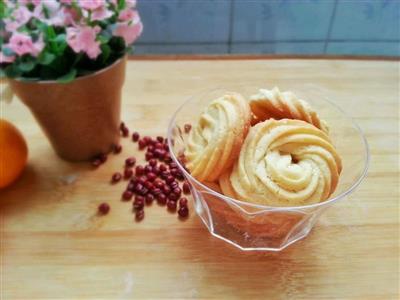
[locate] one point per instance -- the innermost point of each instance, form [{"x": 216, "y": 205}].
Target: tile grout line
[
  {"x": 269, "y": 41},
  {"x": 230, "y": 33},
  {"x": 333, "y": 17}
]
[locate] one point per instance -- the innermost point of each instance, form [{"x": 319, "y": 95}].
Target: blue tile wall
[
  {"x": 356, "y": 27},
  {"x": 260, "y": 20},
  {"x": 279, "y": 48},
  {"x": 360, "y": 48},
  {"x": 175, "y": 21},
  {"x": 367, "y": 20},
  {"x": 181, "y": 49}
]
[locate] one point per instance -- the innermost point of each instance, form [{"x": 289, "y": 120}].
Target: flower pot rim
[{"x": 24, "y": 80}]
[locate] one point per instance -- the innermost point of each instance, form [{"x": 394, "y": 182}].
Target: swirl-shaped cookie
[
  {"x": 215, "y": 141},
  {"x": 284, "y": 163},
  {"x": 283, "y": 105}
]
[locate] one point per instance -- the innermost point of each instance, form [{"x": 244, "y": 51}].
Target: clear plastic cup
[{"x": 257, "y": 227}]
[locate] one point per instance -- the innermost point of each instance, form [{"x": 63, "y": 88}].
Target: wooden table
[{"x": 53, "y": 246}]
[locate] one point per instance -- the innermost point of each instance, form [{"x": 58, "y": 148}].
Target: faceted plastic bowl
[{"x": 256, "y": 227}]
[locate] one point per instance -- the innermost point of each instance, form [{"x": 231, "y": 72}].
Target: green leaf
[
  {"x": 51, "y": 34},
  {"x": 121, "y": 4},
  {"x": 46, "y": 58},
  {"x": 105, "y": 52},
  {"x": 103, "y": 39},
  {"x": 2, "y": 73},
  {"x": 8, "y": 51},
  {"x": 67, "y": 77},
  {"x": 61, "y": 48},
  {"x": 12, "y": 71},
  {"x": 2, "y": 9},
  {"x": 26, "y": 66},
  {"x": 60, "y": 38}
]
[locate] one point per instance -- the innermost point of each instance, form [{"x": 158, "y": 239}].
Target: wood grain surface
[{"x": 53, "y": 246}]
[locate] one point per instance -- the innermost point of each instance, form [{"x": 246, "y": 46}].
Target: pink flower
[
  {"x": 128, "y": 14},
  {"x": 101, "y": 14},
  {"x": 11, "y": 26},
  {"x": 22, "y": 44},
  {"x": 54, "y": 15},
  {"x": 6, "y": 59},
  {"x": 129, "y": 32},
  {"x": 83, "y": 39},
  {"x": 91, "y": 4},
  {"x": 22, "y": 15},
  {"x": 68, "y": 2},
  {"x": 25, "y": 2},
  {"x": 70, "y": 16},
  {"x": 130, "y": 3},
  {"x": 52, "y": 7}
]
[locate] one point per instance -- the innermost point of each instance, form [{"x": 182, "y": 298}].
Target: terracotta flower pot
[{"x": 81, "y": 118}]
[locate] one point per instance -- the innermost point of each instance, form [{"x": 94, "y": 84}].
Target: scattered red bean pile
[{"x": 159, "y": 179}]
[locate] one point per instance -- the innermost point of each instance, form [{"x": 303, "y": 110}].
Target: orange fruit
[{"x": 13, "y": 153}]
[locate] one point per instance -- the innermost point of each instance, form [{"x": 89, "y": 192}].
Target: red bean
[
  {"x": 104, "y": 208},
  {"x": 128, "y": 173},
  {"x": 183, "y": 212},
  {"x": 148, "y": 169},
  {"x": 149, "y": 185},
  {"x": 159, "y": 146},
  {"x": 173, "y": 165},
  {"x": 96, "y": 163},
  {"x": 142, "y": 144},
  {"x": 166, "y": 189},
  {"x": 103, "y": 158},
  {"x": 127, "y": 195},
  {"x": 142, "y": 180},
  {"x": 117, "y": 149},
  {"x": 186, "y": 188},
  {"x": 116, "y": 177},
  {"x": 149, "y": 156},
  {"x": 139, "y": 216},
  {"x": 151, "y": 176},
  {"x": 187, "y": 128},
  {"x": 125, "y": 132},
  {"x": 161, "y": 199},
  {"x": 156, "y": 191},
  {"x": 169, "y": 179},
  {"x": 149, "y": 198},
  {"x": 130, "y": 161},
  {"x": 143, "y": 191},
  {"x": 152, "y": 162},
  {"x": 135, "y": 136},
  {"x": 131, "y": 187},
  {"x": 159, "y": 184},
  {"x": 164, "y": 174},
  {"x": 177, "y": 191},
  {"x": 147, "y": 140},
  {"x": 171, "y": 205},
  {"x": 174, "y": 184},
  {"x": 173, "y": 197},
  {"x": 138, "y": 203},
  {"x": 139, "y": 170},
  {"x": 183, "y": 202},
  {"x": 156, "y": 170},
  {"x": 138, "y": 187}
]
